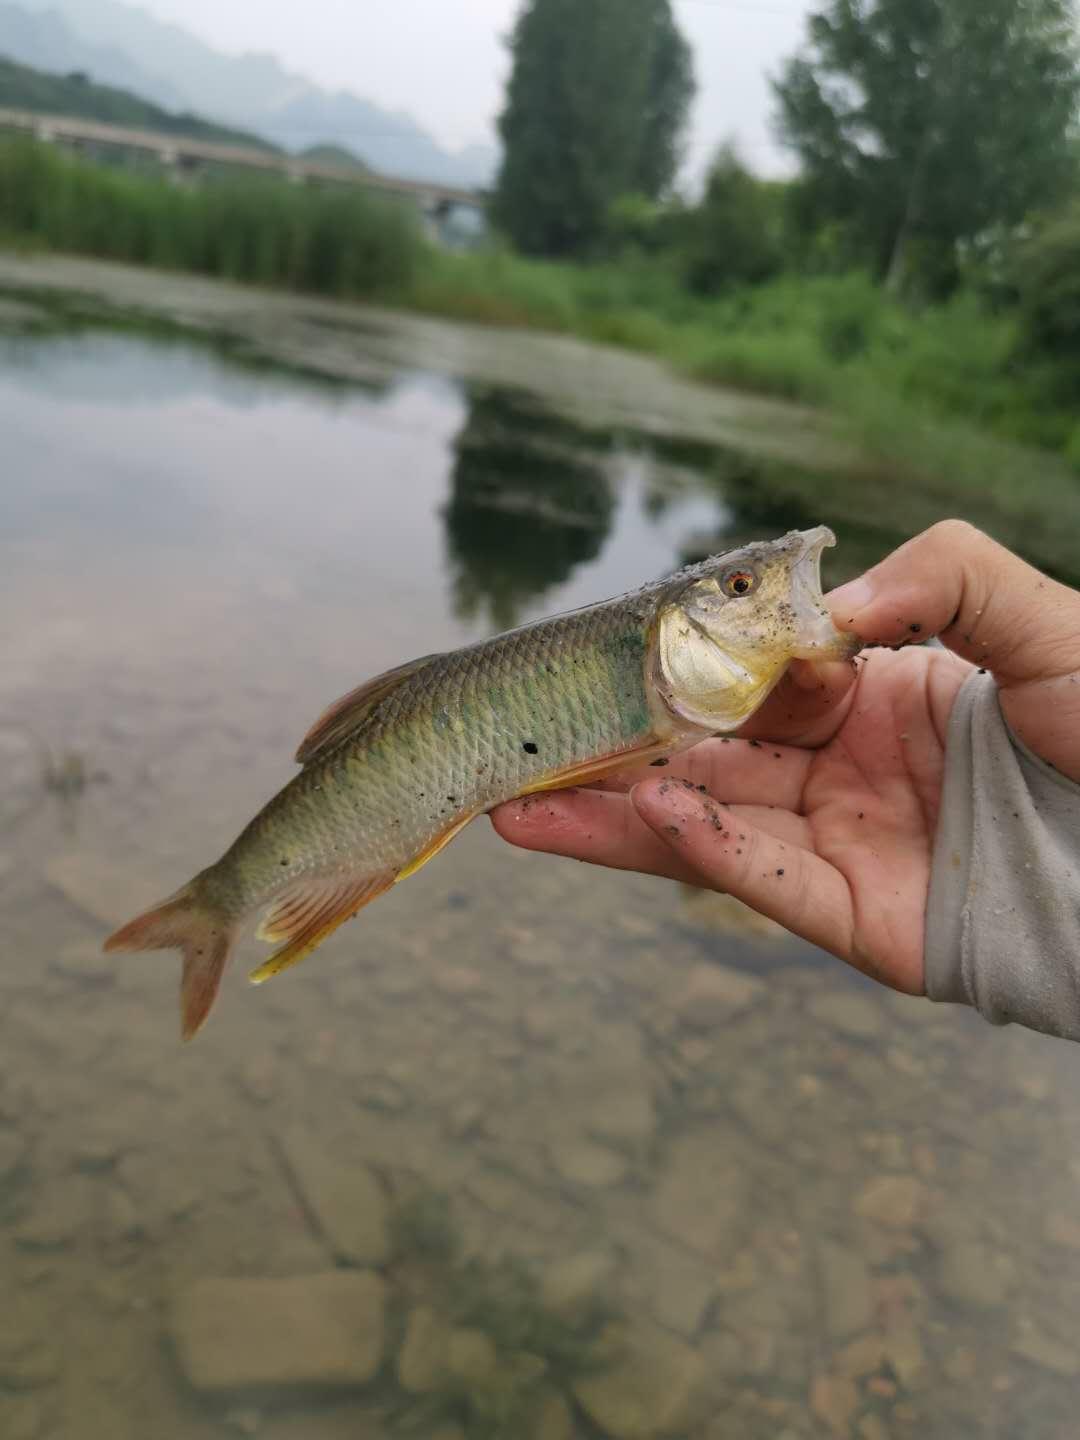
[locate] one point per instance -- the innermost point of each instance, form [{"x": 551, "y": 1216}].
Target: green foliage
[
  {"x": 921, "y": 124},
  {"x": 734, "y": 234},
  {"x": 595, "y": 109},
  {"x": 1047, "y": 277},
  {"x": 335, "y": 241},
  {"x": 22, "y": 88},
  {"x": 637, "y": 225},
  {"x": 668, "y": 90}
]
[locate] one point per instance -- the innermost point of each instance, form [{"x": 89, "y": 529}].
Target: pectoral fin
[
  {"x": 592, "y": 770},
  {"x": 440, "y": 843}
]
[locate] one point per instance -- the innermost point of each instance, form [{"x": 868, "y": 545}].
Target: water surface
[{"x": 566, "y": 1117}]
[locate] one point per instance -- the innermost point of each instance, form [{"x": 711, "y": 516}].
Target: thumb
[{"x": 992, "y": 608}]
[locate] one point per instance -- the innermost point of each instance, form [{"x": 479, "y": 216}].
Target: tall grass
[
  {"x": 265, "y": 231},
  {"x": 823, "y": 340}
]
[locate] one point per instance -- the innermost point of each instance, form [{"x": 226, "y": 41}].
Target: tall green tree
[
  {"x": 924, "y": 123},
  {"x": 596, "y": 107},
  {"x": 733, "y": 236}
]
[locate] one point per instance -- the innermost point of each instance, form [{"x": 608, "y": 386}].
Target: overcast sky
[{"x": 444, "y": 61}]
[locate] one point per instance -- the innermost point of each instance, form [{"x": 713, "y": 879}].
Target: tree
[
  {"x": 734, "y": 234},
  {"x": 598, "y": 98},
  {"x": 669, "y": 90},
  {"x": 922, "y": 123},
  {"x": 1047, "y": 271}
]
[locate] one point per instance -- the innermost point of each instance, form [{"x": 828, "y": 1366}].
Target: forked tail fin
[{"x": 186, "y": 923}]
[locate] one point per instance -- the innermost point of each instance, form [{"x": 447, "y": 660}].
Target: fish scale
[{"x": 393, "y": 770}]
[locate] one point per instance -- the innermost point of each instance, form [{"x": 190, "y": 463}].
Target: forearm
[{"x": 1003, "y": 916}]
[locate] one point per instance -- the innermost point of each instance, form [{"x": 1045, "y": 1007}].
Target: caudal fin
[{"x": 204, "y": 939}]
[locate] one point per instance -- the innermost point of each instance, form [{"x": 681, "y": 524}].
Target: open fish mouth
[{"x": 817, "y": 638}]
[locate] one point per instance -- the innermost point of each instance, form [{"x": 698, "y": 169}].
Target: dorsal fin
[{"x": 346, "y": 714}]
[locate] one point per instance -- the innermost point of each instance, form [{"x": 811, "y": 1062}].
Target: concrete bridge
[{"x": 185, "y": 155}]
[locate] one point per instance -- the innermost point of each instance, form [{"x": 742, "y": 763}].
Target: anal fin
[{"x": 311, "y": 910}]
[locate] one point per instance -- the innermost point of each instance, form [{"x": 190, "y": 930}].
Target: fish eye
[{"x": 739, "y": 582}]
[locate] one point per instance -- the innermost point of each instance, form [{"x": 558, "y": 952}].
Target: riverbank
[{"x": 880, "y": 469}]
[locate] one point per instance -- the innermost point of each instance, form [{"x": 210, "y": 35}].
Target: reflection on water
[
  {"x": 528, "y": 504},
  {"x": 527, "y": 1153}
]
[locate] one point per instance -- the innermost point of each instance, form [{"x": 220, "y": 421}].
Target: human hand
[{"x": 822, "y": 815}]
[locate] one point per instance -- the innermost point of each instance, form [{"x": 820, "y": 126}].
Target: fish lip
[{"x": 818, "y": 637}]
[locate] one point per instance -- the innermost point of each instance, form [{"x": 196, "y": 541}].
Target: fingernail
[{"x": 850, "y": 598}]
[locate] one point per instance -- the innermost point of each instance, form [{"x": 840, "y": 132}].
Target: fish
[{"x": 394, "y": 770}]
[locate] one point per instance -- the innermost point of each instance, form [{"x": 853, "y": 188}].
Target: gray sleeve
[{"x": 1003, "y": 914}]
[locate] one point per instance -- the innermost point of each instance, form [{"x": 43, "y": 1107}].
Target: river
[{"x": 527, "y": 1152}]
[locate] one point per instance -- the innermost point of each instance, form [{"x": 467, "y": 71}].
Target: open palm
[
  {"x": 833, "y": 841},
  {"x": 822, "y": 815}
]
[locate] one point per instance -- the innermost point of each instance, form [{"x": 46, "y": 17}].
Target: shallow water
[{"x": 556, "y": 1112}]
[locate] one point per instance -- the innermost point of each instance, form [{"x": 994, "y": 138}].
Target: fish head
[{"x": 727, "y": 633}]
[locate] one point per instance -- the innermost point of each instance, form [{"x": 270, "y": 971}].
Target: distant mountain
[
  {"x": 45, "y": 41},
  {"x": 24, "y": 88},
  {"x": 123, "y": 45},
  {"x": 333, "y": 155}
]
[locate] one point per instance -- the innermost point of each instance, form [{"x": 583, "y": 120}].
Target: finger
[
  {"x": 786, "y": 882},
  {"x": 772, "y": 820},
  {"x": 587, "y": 825},
  {"x": 808, "y": 706},
  {"x": 739, "y": 772},
  {"x": 986, "y": 604}
]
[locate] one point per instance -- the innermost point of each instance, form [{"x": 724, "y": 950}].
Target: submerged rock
[
  {"x": 22, "y": 1417},
  {"x": 573, "y": 1286},
  {"x": 834, "y": 1400},
  {"x": 973, "y": 1274},
  {"x": 317, "y": 1330},
  {"x": 1043, "y": 1350},
  {"x": 655, "y": 1385},
  {"x": 346, "y": 1201},
  {"x": 845, "y": 1283},
  {"x": 715, "y": 994},
  {"x": 626, "y": 1118},
  {"x": 31, "y": 1366},
  {"x": 107, "y": 892},
  {"x": 470, "y": 1356},
  {"x": 1060, "y": 1229},
  {"x": 903, "y": 1350},
  {"x": 680, "y": 1288},
  {"x": 56, "y": 1220},
  {"x": 421, "y": 1362},
  {"x": 14, "y": 1152},
  {"x": 582, "y": 1162},
  {"x": 553, "y": 1420},
  {"x": 701, "y": 1197},
  {"x": 84, "y": 960},
  {"x": 847, "y": 1011},
  {"x": 896, "y": 1201},
  {"x": 459, "y": 981}
]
